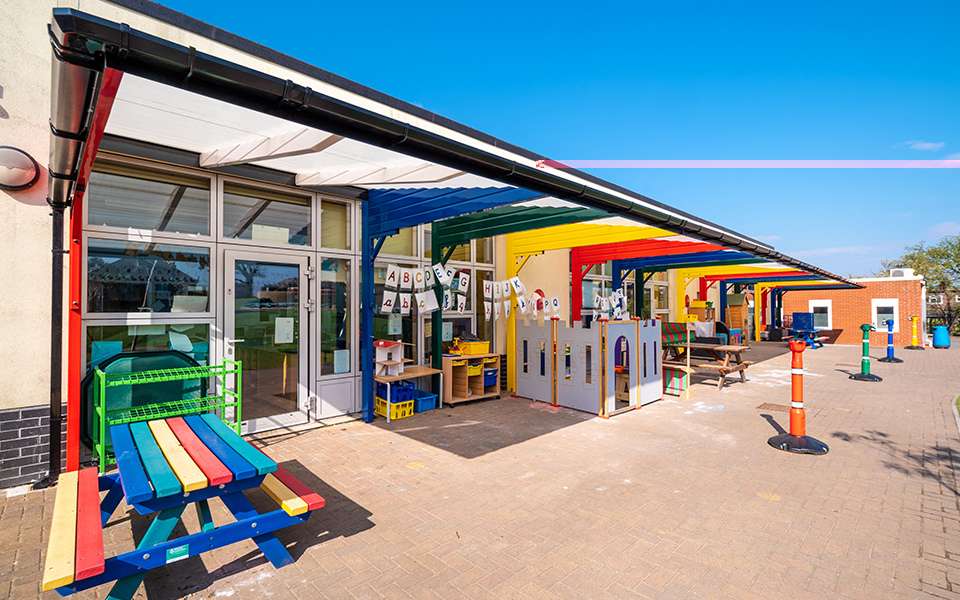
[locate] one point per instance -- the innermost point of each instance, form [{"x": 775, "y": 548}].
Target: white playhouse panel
[
  {"x": 578, "y": 368},
  {"x": 651, "y": 362},
  {"x": 534, "y": 354},
  {"x": 628, "y": 331}
]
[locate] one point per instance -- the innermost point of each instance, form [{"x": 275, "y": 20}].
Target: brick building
[{"x": 839, "y": 313}]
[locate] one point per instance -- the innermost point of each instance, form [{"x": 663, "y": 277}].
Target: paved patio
[{"x": 682, "y": 499}]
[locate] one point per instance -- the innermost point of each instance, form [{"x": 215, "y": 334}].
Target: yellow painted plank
[
  {"x": 61, "y": 547},
  {"x": 187, "y": 471},
  {"x": 282, "y": 495}
]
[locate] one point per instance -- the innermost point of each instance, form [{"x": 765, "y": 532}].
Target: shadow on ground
[
  {"x": 473, "y": 429},
  {"x": 935, "y": 463},
  {"x": 341, "y": 517}
]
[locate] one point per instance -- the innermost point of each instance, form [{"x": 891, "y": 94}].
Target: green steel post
[
  {"x": 101, "y": 406},
  {"x": 239, "y": 396},
  {"x": 864, "y": 374}
]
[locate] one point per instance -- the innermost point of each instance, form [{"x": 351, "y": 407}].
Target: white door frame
[{"x": 302, "y": 260}]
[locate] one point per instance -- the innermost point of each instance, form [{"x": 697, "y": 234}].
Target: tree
[{"x": 940, "y": 266}]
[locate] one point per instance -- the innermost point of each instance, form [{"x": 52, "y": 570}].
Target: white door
[{"x": 266, "y": 327}]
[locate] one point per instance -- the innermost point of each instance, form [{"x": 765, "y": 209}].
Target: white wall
[{"x": 24, "y": 216}]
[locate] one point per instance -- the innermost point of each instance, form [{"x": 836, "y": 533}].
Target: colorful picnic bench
[{"x": 163, "y": 466}]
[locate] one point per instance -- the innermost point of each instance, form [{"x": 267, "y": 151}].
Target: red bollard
[{"x": 797, "y": 440}]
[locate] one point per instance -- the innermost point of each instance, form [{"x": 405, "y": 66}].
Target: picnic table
[
  {"x": 164, "y": 465},
  {"x": 723, "y": 359}
]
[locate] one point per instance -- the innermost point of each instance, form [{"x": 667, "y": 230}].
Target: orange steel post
[{"x": 797, "y": 439}]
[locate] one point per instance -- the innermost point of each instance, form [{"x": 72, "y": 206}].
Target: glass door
[{"x": 266, "y": 327}]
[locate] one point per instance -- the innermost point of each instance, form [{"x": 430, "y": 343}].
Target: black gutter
[{"x": 151, "y": 57}]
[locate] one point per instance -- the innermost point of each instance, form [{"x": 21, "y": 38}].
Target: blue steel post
[
  {"x": 890, "y": 357},
  {"x": 723, "y": 301},
  {"x": 366, "y": 312}
]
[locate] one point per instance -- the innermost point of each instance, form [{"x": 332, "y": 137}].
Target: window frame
[
  {"x": 876, "y": 303},
  {"x": 354, "y": 315},
  {"x": 147, "y": 165},
  {"x": 822, "y": 303},
  {"x": 213, "y": 289},
  {"x": 314, "y": 219}
]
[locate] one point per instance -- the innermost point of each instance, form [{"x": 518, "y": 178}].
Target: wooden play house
[{"x": 605, "y": 369}]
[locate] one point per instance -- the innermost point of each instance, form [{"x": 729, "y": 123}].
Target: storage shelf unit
[{"x": 462, "y": 386}]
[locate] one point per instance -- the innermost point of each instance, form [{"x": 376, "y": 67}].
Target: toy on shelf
[{"x": 389, "y": 357}]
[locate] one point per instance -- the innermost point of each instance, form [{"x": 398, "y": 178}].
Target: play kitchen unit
[{"x": 470, "y": 372}]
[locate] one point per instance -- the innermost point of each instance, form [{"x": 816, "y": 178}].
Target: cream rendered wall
[
  {"x": 24, "y": 216},
  {"x": 550, "y": 272}
]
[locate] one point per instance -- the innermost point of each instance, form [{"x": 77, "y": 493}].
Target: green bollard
[{"x": 864, "y": 374}]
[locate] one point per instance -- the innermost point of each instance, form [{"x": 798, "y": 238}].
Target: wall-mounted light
[{"x": 18, "y": 170}]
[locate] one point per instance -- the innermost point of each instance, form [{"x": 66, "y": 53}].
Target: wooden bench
[
  {"x": 724, "y": 370},
  {"x": 75, "y": 547},
  {"x": 165, "y": 465}
]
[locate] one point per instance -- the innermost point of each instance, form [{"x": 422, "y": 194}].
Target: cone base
[
  {"x": 890, "y": 360},
  {"x": 866, "y": 377},
  {"x": 913, "y": 348},
  {"x": 798, "y": 444}
]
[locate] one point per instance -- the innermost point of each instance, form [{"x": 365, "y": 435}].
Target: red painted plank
[
  {"x": 215, "y": 471},
  {"x": 314, "y": 500},
  {"x": 89, "y": 552}
]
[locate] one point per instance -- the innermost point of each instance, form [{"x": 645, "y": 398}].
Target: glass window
[
  {"x": 393, "y": 326},
  {"x": 403, "y": 243},
  {"x": 484, "y": 325},
  {"x": 884, "y": 314},
  {"x": 334, "y": 316},
  {"x": 821, "y": 317},
  {"x": 460, "y": 253},
  {"x": 265, "y": 216},
  {"x": 485, "y": 250},
  {"x": 456, "y": 327},
  {"x": 473, "y": 284},
  {"x": 104, "y": 341},
  {"x": 120, "y": 195},
  {"x": 335, "y": 225},
  {"x": 126, "y": 277}
]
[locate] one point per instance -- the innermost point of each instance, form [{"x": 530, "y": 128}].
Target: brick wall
[
  {"x": 852, "y": 308},
  {"x": 25, "y": 444}
]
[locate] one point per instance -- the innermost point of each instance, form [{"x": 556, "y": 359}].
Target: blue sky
[{"x": 681, "y": 80}]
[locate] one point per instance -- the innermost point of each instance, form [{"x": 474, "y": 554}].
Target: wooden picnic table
[
  {"x": 726, "y": 359},
  {"x": 164, "y": 465}
]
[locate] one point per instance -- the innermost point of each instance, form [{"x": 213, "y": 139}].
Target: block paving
[{"x": 681, "y": 499}]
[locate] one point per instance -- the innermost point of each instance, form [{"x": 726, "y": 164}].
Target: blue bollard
[{"x": 890, "y": 358}]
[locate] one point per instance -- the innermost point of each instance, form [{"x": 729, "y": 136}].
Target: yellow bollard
[{"x": 915, "y": 343}]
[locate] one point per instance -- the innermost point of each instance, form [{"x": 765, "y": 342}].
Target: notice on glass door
[{"x": 283, "y": 330}]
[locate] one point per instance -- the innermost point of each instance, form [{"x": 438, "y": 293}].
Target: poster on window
[
  {"x": 506, "y": 309},
  {"x": 426, "y": 302},
  {"x": 522, "y": 304},
  {"x": 487, "y": 309},
  {"x": 406, "y": 301},
  {"x": 461, "y": 303},
  {"x": 406, "y": 278},
  {"x": 555, "y": 305},
  {"x": 463, "y": 282},
  {"x": 441, "y": 275},
  {"x": 394, "y": 324},
  {"x": 429, "y": 279},
  {"x": 488, "y": 290},
  {"x": 393, "y": 277},
  {"x": 389, "y": 301}
]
